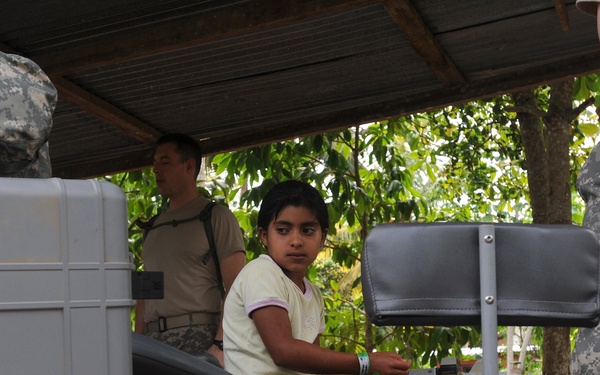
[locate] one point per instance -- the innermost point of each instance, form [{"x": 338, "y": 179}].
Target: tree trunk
[
  {"x": 549, "y": 185},
  {"x": 524, "y": 345},
  {"x": 558, "y": 129},
  {"x": 556, "y": 351},
  {"x": 536, "y": 164},
  {"x": 558, "y": 120},
  {"x": 510, "y": 356}
]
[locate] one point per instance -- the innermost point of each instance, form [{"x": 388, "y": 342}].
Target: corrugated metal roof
[{"x": 241, "y": 73}]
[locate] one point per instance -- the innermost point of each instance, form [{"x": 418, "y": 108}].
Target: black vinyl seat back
[{"x": 429, "y": 274}]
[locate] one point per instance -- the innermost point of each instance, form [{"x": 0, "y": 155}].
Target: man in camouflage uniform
[
  {"x": 585, "y": 359},
  {"x": 27, "y": 102}
]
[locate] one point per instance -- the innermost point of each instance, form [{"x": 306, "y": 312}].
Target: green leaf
[{"x": 589, "y": 129}]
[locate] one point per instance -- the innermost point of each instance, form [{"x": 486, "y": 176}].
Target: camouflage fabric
[
  {"x": 585, "y": 359},
  {"x": 193, "y": 340},
  {"x": 27, "y": 102}
]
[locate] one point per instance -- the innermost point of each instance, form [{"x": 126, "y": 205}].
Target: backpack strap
[
  {"x": 146, "y": 226},
  {"x": 204, "y": 216}
]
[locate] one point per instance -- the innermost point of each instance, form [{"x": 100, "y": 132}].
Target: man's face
[{"x": 170, "y": 172}]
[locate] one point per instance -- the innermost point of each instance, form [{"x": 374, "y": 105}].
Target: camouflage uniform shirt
[{"x": 585, "y": 359}]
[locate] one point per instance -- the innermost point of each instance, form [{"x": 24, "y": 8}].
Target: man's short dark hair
[{"x": 187, "y": 147}]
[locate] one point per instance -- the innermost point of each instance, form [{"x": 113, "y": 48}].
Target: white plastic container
[{"x": 65, "y": 287}]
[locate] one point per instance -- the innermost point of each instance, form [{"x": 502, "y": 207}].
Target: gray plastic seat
[{"x": 152, "y": 357}]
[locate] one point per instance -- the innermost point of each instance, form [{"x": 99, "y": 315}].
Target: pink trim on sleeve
[{"x": 272, "y": 302}]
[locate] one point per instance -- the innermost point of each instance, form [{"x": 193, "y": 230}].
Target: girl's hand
[{"x": 385, "y": 363}]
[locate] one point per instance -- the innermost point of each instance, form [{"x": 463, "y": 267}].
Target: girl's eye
[
  {"x": 309, "y": 230},
  {"x": 281, "y": 230}
]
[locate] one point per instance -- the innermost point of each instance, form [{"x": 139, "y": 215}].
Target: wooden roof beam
[
  {"x": 563, "y": 15},
  {"x": 92, "y": 104},
  {"x": 423, "y": 42}
]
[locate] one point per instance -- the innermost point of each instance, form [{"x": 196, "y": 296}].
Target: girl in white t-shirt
[{"x": 273, "y": 314}]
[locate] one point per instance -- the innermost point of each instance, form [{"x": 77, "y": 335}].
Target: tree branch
[
  {"x": 580, "y": 108},
  {"x": 529, "y": 109}
]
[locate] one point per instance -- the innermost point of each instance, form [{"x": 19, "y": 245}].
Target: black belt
[{"x": 164, "y": 324}]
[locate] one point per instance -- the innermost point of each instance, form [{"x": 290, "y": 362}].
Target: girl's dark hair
[
  {"x": 187, "y": 147},
  {"x": 292, "y": 193}
]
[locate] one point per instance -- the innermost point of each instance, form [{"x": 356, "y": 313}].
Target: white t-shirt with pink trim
[{"x": 262, "y": 283}]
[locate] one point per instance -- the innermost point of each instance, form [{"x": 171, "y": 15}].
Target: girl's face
[{"x": 293, "y": 240}]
